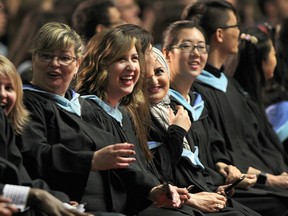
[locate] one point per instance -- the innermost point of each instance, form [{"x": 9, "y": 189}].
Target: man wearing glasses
[{"x": 249, "y": 148}]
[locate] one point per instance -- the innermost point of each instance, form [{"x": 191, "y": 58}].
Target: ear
[
  {"x": 78, "y": 61},
  {"x": 99, "y": 28},
  {"x": 166, "y": 54},
  {"x": 219, "y": 35}
]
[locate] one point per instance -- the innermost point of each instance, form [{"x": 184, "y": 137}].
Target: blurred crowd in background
[{"x": 20, "y": 19}]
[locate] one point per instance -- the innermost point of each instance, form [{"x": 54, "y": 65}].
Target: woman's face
[
  {"x": 7, "y": 95},
  {"x": 270, "y": 63},
  {"x": 122, "y": 76},
  {"x": 187, "y": 64},
  {"x": 158, "y": 83},
  {"x": 51, "y": 71}
]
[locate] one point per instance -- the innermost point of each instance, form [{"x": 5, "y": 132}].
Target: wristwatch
[{"x": 261, "y": 178}]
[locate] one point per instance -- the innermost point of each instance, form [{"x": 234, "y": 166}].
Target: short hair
[
  {"x": 209, "y": 14},
  {"x": 88, "y": 14},
  {"x": 18, "y": 116},
  {"x": 53, "y": 36},
  {"x": 170, "y": 34}
]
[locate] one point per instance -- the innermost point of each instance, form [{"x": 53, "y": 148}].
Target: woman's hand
[
  {"x": 114, "y": 156},
  {"x": 169, "y": 196},
  {"x": 181, "y": 118},
  {"x": 6, "y": 208},
  {"x": 230, "y": 172},
  {"x": 207, "y": 201},
  {"x": 44, "y": 202}
]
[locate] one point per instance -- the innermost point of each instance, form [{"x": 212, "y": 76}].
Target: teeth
[
  {"x": 193, "y": 63},
  {"x": 127, "y": 78},
  {"x": 3, "y": 105}
]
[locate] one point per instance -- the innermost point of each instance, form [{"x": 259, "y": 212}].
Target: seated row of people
[{"x": 94, "y": 148}]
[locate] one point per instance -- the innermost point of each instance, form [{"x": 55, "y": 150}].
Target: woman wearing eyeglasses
[
  {"x": 186, "y": 52},
  {"x": 58, "y": 146}
]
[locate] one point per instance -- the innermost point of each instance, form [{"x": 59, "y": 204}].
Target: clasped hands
[{"x": 169, "y": 196}]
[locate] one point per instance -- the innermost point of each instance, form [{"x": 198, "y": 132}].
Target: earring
[{"x": 75, "y": 76}]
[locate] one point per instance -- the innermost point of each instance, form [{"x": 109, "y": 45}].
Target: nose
[
  {"x": 195, "y": 50},
  {"x": 3, "y": 92},
  {"x": 130, "y": 66},
  {"x": 54, "y": 60}
]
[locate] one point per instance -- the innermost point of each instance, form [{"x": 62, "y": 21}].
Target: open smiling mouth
[
  {"x": 127, "y": 79},
  {"x": 3, "y": 105}
]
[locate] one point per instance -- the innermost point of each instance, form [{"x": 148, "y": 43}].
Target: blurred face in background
[{"x": 270, "y": 63}]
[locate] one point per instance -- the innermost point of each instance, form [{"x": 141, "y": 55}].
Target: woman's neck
[{"x": 182, "y": 84}]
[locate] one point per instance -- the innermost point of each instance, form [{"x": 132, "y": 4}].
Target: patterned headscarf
[{"x": 161, "y": 59}]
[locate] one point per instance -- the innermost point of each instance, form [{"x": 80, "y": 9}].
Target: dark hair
[
  {"x": 262, "y": 4},
  {"x": 141, "y": 34},
  {"x": 209, "y": 14},
  {"x": 88, "y": 14},
  {"x": 170, "y": 34},
  {"x": 249, "y": 72},
  {"x": 281, "y": 72}
]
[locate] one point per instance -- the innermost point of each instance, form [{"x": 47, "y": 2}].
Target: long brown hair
[{"x": 103, "y": 49}]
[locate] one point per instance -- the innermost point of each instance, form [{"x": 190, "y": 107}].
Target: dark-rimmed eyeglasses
[
  {"x": 64, "y": 60},
  {"x": 230, "y": 26},
  {"x": 201, "y": 48}
]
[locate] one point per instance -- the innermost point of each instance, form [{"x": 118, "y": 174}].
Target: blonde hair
[
  {"x": 53, "y": 36},
  {"x": 18, "y": 116}
]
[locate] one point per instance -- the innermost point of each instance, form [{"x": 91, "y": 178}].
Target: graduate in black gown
[
  {"x": 172, "y": 138},
  {"x": 234, "y": 117},
  {"x": 58, "y": 145},
  {"x": 256, "y": 46},
  {"x": 15, "y": 183},
  {"x": 247, "y": 146},
  {"x": 110, "y": 79}
]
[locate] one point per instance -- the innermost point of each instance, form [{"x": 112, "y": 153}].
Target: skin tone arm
[{"x": 280, "y": 181}]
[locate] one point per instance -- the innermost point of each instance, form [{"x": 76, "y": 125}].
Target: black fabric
[
  {"x": 12, "y": 170},
  {"x": 58, "y": 147},
  {"x": 138, "y": 181},
  {"x": 185, "y": 172},
  {"x": 243, "y": 133},
  {"x": 248, "y": 141},
  {"x": 203, "y": 134}
]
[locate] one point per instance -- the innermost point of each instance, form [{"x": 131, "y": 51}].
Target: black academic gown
[
  {"x": 58, "y": 147},
  {"x": 12, "y": 170},
  {"x": 239, "y": 127},
  {"x": 203, "y": 135},
  {"x": 138, "y": 181},
  {"x": 243, "y": 132}
]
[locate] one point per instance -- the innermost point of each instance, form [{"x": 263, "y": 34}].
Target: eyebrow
[{"x": 187, "y": 40}]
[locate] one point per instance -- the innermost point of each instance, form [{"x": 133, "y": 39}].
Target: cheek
[
  {"x": 203, "y": 59},
  {"x": 12, "y": 99}
]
